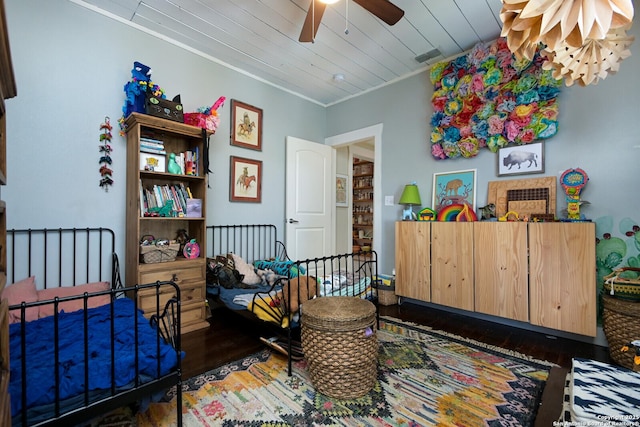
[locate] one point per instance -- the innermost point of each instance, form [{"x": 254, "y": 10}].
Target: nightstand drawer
[
  {"x": 179, "y": 274},
  {"x": 189, "y": 292}
]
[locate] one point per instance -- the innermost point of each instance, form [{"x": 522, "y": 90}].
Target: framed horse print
[
  {"x": 246, "y": 125},
  {"x": 245, "y": 182}
]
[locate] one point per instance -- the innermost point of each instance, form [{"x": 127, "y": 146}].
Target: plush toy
[
  {"x": 268, "y": 276},
  {"x": 136, "y": 92},
  {"x": 135, "y": 89}
]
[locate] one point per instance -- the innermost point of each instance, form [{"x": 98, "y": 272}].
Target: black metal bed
[
  {"x": 279, "y": 303},
  {"x": 71, "y": 257}
]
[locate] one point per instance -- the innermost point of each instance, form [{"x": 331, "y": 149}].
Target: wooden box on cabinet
[
  {"x": 452, "y": 282},
  {"x": 501, "y": 269},
  {"x": 562, "y": 276},
  {"x": 189, "y": 274},
  {"x": 413, "y": 260}
]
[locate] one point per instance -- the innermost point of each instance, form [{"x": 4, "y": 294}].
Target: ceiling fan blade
[
  {"x": 314, "y": 14},
  {"x": 383, "y": 9}
]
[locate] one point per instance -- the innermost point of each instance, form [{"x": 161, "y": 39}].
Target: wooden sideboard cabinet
[
  {"x": 452, "y": 264},
  {"x": 413, "y": 260},
  {"x": 541, "y": 273},
  {"x": 562, "y": 276},
  {"x": 501, "y": 269}
]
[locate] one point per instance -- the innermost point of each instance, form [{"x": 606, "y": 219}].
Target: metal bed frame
[
  {"x": 259, "y": 242},
  {"x": 73, "y": 256}
]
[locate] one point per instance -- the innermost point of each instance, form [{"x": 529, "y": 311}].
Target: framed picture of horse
[
  {"x": 246, "y": 125},
  {"x": 245, "y": 183}
]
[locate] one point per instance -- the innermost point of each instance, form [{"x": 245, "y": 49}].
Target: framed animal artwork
[
  {"x": 521, "y": 159},
  {"x": 454, "y": 188},
  {"x": 245, "y": 182},
  {"x": 246, "y": 125}
]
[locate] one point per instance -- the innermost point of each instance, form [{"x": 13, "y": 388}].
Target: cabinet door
[
  {"x": 562, "y": 278},
  {"x": 452, "y": 264},
  {"x": 500, "y": 268},
  {"x": 413, "y": 258}
]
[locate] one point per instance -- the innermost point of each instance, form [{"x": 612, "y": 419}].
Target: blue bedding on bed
[{"x": 40, "y": 353}]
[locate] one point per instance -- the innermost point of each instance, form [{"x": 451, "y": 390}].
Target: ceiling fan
[{"x": 383, "y": 9}]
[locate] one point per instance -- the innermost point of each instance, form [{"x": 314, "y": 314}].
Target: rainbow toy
[{"x": 457, "y": 212}]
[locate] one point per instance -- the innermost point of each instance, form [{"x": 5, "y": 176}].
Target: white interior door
[{"x": 308, "y": 198}]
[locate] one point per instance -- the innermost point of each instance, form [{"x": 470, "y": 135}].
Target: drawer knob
[{"x": 174, "y": 278}]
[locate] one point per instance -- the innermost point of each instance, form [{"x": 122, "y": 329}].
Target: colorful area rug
[{"x": 425, "y": 378}]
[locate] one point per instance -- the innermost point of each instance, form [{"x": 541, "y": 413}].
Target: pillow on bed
[
  {"x": 247, "y": 270},
  {"x": 19, "y": 292},
  {"x": 279, "y": 267},
  {"x": 75, "y": 305}
]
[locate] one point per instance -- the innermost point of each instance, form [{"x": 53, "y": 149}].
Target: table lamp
[{"x": 410, "y": 196}]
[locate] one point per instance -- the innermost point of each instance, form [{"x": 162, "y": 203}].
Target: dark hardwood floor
[{"x": 232, "y": 336}]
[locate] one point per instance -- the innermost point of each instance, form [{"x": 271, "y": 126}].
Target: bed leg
[{"x": 179, "y": 403}]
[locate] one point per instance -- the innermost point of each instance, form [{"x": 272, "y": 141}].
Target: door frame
[{"x": 371, "y": 132}]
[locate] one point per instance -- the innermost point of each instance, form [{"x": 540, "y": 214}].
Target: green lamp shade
[{"x": 410, "y": 195}]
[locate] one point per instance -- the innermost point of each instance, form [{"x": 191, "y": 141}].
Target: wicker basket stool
[
  {"x": 621, "y": 325},
  {"x": 340, "y": 345}
]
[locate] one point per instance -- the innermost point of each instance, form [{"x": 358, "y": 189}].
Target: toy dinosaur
[{"x": 165, "y": 211}]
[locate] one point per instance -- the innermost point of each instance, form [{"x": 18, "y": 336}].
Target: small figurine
[
  {"x": 488, "y": 211},
  {"x": 172, "y": 166}
]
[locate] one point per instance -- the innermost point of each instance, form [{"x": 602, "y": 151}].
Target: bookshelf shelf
[{"x": 150, "y": 189}]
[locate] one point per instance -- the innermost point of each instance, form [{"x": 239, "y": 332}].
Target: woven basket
[
  {"x": 387, "y": 296},
  {"x": 621, "y": 325},
  {"x": 624, "y": 288},
  {"x": 340, "y": 345},
  {"x": 152, "y": 254}
]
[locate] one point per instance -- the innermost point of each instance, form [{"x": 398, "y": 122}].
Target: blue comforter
[{"x": 40, "y": 354}]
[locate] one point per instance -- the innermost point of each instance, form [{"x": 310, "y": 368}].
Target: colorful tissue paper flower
[{"x": 488, "y": 98}]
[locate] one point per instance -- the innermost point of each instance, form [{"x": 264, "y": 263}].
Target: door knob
[{"x": 293, "y": 221}]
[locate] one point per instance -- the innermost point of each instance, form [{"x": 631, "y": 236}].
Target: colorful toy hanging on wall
[{"x": 105, "y": 154}]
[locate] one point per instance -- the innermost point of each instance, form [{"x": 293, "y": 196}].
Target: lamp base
[{"x": 408, "y": 215}]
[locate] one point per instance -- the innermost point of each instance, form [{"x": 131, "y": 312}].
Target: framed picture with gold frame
[
  {"x": 245, "y": 180},
  {"x": 342, "y": 190},
  {"x": 246, "y": 125}
]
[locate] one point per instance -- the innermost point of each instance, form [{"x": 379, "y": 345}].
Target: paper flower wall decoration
[
  {"x": 592, "y": 30},
  {"x": 488, "y": 98}
]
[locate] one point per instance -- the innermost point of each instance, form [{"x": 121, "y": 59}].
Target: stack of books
[{"x": 152, "y": 146}]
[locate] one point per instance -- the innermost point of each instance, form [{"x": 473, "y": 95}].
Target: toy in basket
[
  {"x": 153, "y": 251},
  {"x": 386, "y": 289}
]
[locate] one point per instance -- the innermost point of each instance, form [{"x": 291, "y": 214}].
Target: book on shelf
[
  {"x": 157, "y": 196},
  {"x": 150, "y": 140},
  {"x": 152, "y": 151}
]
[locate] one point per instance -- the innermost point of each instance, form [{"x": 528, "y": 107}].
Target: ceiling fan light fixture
[{"x": 328, "y": 1}]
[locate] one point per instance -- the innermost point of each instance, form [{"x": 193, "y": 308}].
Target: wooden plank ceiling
[{"x": 260, "y": 38}]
